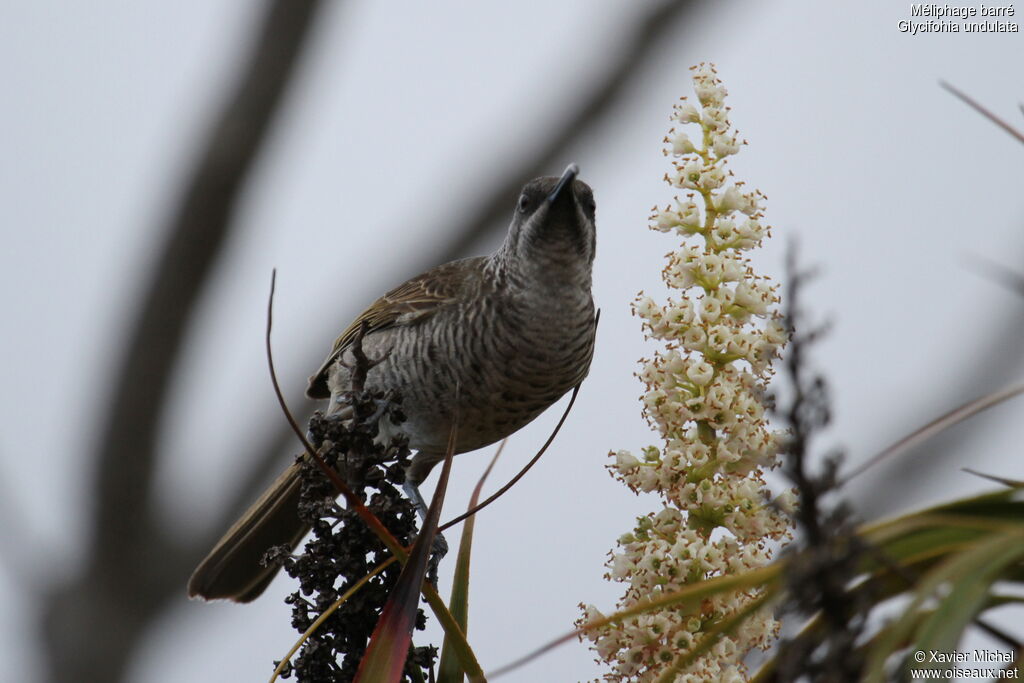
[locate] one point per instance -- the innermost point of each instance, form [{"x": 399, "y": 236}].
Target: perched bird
[{"x": 504, "y": 335}]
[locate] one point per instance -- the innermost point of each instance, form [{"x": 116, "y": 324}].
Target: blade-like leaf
[
  {"x": 924, "y": 536},
  {"x": 907, "y": 551},
  {"x": 437, "y": 606},
  {"x": 328, "y": 612},
  {"x": 1002, "y": 504},
  {"x": 385, "y": 656},
  {"x": 987, "y": 512},
  {"x": 449, "y": 670},
  {"x": 762, "y": 577},
  {"x": 969, "y": 594},
  {"x": 957, "y": 568},
  {"x": 766, "y": 672},
  {"x": 721, "y": 629}
]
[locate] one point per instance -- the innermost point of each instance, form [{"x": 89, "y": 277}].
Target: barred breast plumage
[
  {"x": 493, "y": 359},
  {"x": 489, "y": 341}
]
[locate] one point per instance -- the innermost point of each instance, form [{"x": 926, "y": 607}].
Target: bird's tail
[{"x": 233, "y": 570}]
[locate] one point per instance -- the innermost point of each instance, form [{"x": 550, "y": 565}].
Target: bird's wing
[{"x": 413, "y": 301}]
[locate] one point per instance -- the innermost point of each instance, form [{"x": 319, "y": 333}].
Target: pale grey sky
[{"x": 889, "y": 182}]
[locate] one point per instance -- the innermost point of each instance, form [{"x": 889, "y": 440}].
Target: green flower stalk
[{"x": 704, "y": 395}]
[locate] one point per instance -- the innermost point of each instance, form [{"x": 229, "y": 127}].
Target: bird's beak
[{"x": 565, "y": 181}]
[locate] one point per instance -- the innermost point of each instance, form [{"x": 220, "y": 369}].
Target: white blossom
[
  {"x": 681, "y": 144},
  {"x": 703, "y": 396}
]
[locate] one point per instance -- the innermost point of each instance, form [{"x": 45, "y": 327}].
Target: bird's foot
[
  {"x": 439, "y": 548},
  {"x": 416, "y": 498},
  {"x": 340, "y": 410},
  {"x": 383, "y": 406}
]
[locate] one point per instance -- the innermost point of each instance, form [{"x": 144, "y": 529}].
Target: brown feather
[
  {"x": 233, "y": 570},
  {"x": 410, "y": 302}
]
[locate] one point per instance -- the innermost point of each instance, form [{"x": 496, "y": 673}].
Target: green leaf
[
  {"x": 327, "y": 613},
  {"x": 969, "y": 594},
  {"x": 1005, "y": 503},
  {"x": 449, "y": 670},
  {"x": 975, "y": 568},
  {"x": 384, "y": 660},
  {"x": 765, "y": 578},
  {"x": 721, "y": 629}
]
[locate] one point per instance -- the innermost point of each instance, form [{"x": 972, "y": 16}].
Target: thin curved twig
[
  {"x": 500, "y": 492},
  {"x": 939, "y": 424},
  {"x": 981, "y": 109},
  {"x": 332, "y": 475},
  {"x": 327, "y": 613}
]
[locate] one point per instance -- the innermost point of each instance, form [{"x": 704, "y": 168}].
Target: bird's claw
[{"x": 438, "y": 549}]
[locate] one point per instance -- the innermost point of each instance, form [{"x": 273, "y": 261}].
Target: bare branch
[
  {"x": 125, "y": 576},
  {"x": 996, "y": 272},
  {"x": 936, "y": 426},
  {"x": 981, "y": 109}
]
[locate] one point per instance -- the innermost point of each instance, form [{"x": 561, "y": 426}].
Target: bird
[{"x": 489, "y": 341}]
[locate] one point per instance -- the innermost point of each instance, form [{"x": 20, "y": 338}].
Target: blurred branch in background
[
  {"x": 982, "y": 372},
  {"x": 825, "y": 558},
  {"x": 131, "y": 568},
  {"x": 16, "y": 534},
  {"x": 841, "y": 580},
  {"x": 997, "y": 272},
  {"x": 644, "y": 42}
]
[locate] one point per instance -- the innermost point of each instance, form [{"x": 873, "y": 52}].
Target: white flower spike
[{"x": 704, "y": 392}]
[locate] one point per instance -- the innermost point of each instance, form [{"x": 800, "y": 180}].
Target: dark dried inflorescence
[
  {"x": 823, "y": 562},
  {"x": 342, "y": 550}
]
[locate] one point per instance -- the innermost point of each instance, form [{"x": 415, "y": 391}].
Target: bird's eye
[{"x": 524, "y": 203}]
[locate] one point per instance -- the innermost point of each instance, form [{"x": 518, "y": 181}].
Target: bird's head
[{"x": 552, "y": 234}]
